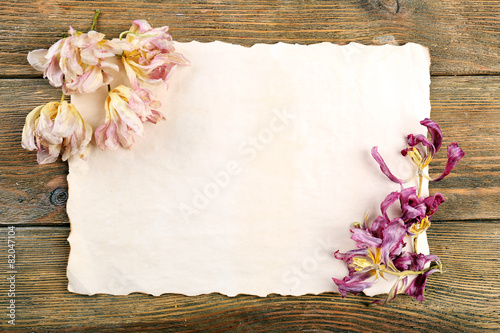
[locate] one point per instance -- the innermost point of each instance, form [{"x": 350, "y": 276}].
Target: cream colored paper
[{"x": 253, "y": 180}]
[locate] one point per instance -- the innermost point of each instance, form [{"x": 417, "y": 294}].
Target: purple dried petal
[
  {"x": 388, "y": 201},
  {"x": 455, "y": 154},
  {"x": 420, "y": 260},
  {"x": 403, "y": 262},
  {"x": 393, "y": 236},
  {"x": 411, "y": 213},
  {"x": 435, "y": 131},
  {"x": 433, "y": 202},
  {"x": 383, "y": 166},
  {"x": 354, "y": 284},
  {"x": 378, "y": 226},
  {"x": 364, "y": 239},
  {"x": 417, "y": 286},
  {"x": 347, "y": 257},
  {"x": 415, "y": 140}
]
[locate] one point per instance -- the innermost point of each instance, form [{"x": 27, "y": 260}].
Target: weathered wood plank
[
  {"x": 466, "y": 107},
  {"x": 463, "y": 36},
  {"x": 468, "y": 111},
  {"x": 463, "y": 299}
]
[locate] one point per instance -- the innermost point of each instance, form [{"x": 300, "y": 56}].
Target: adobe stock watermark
[
  {"x": 247, "y": 151},
  {"x": 11, "y": 274},
  {"x": 293, "y": 277}
]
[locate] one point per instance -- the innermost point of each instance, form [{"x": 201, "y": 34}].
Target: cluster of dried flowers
[
  {"x": 380, "y": 245},
  {"x": 81, "y": 63}
]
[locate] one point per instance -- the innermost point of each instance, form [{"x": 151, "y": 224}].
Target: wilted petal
[
  {"x": 47, "y": 156},
  {"x": 65, "y": 122},
  {"x": 403, "y": 261},
  {"x": 415, "y": 140},
  {"x": 412, "y": 206},
  {"x": 393, "y": 236},
  {"x": 417, "y": 286},
  {"x": 364, "y": 239},
  {"x": 378, "y": 225},
  {"x": 152, "y": 56},
  {"x": 140, "y": 26},
  {"x": 432, "y": 203},
  {"x": 28, "y": 136},
  {"x": 91, "y": 81},
  {"x": 56, "y": 127},
  {"x": 126, "y": 110},
  {"x": 383, "y": 166},
  {"x": 38, "y": 60},
  {"x": 388, "y": 201},
  {"x": 420, "y": 260},
  {"x": 347, "y": 257},
  {"x": 435, "y": 131},
  {"x": 54, "y": 73},
  {"x": 455, "y": 154},
  {"x": 355, "y": 283}
]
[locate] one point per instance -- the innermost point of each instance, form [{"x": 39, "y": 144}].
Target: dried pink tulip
[{"x": 53, "y": 127}]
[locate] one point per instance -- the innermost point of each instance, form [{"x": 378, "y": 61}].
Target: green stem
[
  {"x": 406, "y": 273},
  {"x": 123, "y": 33},
  {"x": 134, "y": 34},
  {"x": 62, "y": 98},
  {"x": 94, "y": 21}
]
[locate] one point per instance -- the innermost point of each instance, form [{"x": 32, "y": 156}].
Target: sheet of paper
[{"x": 254, "y": 179}]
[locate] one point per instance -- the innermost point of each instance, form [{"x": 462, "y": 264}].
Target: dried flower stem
[
  {"x": 134, "y": 34},
  {"x": 420, "y": 181},
  {"x": 407, "y": 273},
  {"x": 62, "y": 98},
  {"x": 94, "y": 21}
]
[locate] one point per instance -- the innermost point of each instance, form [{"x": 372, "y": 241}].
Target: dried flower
[
  {"x": 126, "y": 110},
  {"x": 78, "y": 63},
  {"x": 53, "y": 127},
  {"x": 380, "y": 245},
  {"x": 151, "y": 56},
  {"x": 421, "y": 159}
]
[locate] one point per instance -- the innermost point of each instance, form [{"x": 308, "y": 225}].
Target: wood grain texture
[
  {"x": 465, "y": 298},
  {"x": 468, "y": 111},
  {"x": 466, "y": 107},
  {"x": 464, "y": 39},
  {"x": 461, "y": 34}
]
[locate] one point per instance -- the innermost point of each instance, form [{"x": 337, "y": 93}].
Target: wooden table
[{"x": 464, "y": 40}]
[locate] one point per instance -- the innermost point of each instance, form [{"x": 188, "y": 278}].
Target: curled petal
[
  {"x": 420, "y": 260},
  {"x": 412, "y": 213},
  {"x": 56, "y": 127},
  {"x": 347, "y": 257},
  {"x": 354, "y": 284},
  {"x": 364, "y": 239},
  {"x": 126, "y": 111},
  {"x": 378, "y": 225},
  {"x": 151, "y": 56},
  {"x": 388, "y": 201},
  {"x": 432, "y": 203},
  {"x": 455, "y": 154},
  {"x": 383, "y": 166},
  {"x": 403, "y": 262},
  {"x": 140, "y": 26},
  {"x": 417, "y": 286},
  {"x": 435, "y": 131},
  {"x": 393, "y": 236},
  {"x": 415, "y": 140},
  {"x": 28, "y": 136},
  {"x": 78, "y": 63},
  {"x": 38, "y": 60}
]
